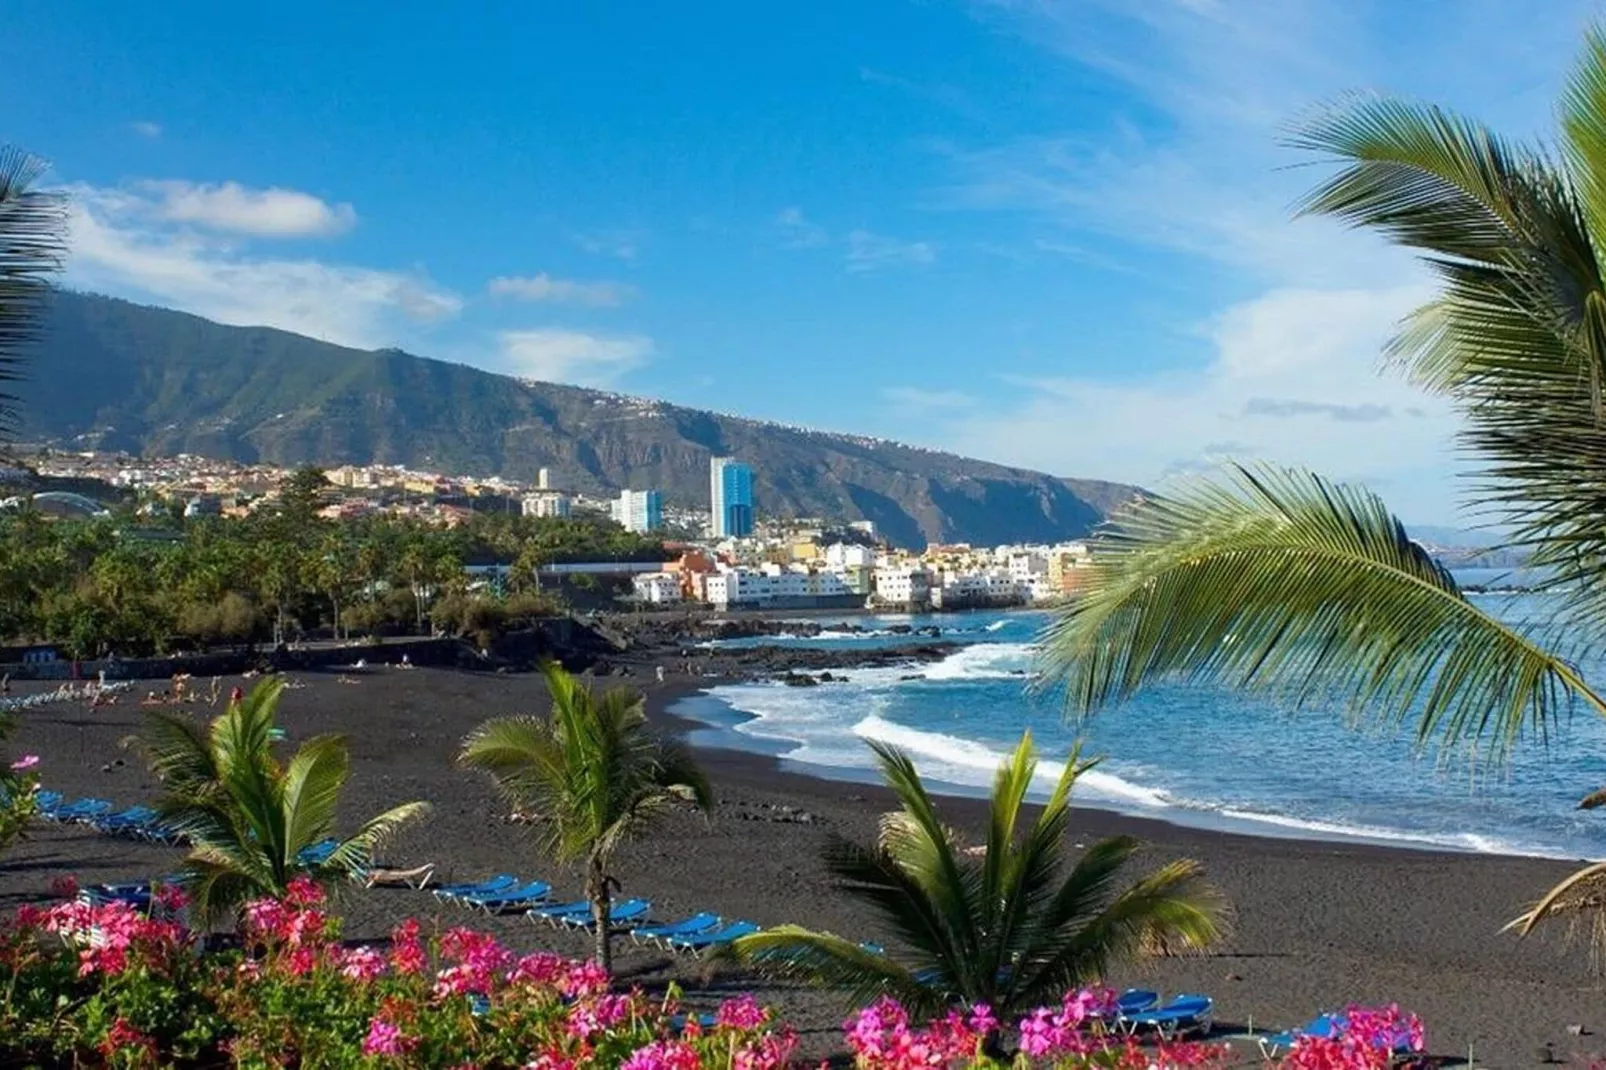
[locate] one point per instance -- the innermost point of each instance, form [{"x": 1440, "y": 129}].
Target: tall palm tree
[
  {"x": 593, "y": 773},
  {"x": 1280, "y": 580},
  {"x": 33, "y": 232},
  {"x": 248, "y": 817},
  {"x": 1003, "y": 926}
]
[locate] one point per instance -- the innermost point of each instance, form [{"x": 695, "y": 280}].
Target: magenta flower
[
  {"x": 982, "y": 1019},
  {"x": 362, "y": 964},
  {"x": 741, "y": 1013},
  {"x": 385, "y": 1039},
  {"x": 663, "y": 1055},
  {"x": 27, "y": 761}
]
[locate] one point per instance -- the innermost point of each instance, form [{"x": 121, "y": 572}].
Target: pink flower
[
  {"x": 589, "y": 1017},
  {"x": 982, "y": 1019},
  {"x": 303, "y": 891},
  {"x": 27, "y": 761},
  {"x": 541, "y": 968},
  {"x": 663, "y": 1055},
  {"x": 385, "y": 1039},
  {"x": 362, "y": 964},
  {"x": 741, "y": 1013},
  {"x": 550, "y": 1060},
  {"x": 406, "y": 952},
  {"x": 584, "y": 979}
]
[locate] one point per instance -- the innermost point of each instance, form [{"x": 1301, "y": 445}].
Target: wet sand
[{"x": 1316, "y": 924}]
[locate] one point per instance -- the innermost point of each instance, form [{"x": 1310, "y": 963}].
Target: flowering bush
[
  {"x": 19, "y": 800},
  {"x": 105, "y": 985}
]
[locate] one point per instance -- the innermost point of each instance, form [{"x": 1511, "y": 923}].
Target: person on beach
[{"x": 660, "y": 674}]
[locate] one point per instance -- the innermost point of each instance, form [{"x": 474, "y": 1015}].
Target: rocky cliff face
[{"x": 113, "y": 375}]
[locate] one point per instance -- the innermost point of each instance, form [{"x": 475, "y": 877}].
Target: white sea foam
[
  {"x": 983, "y": 661},
  {"x": 968, "y": 762},
  {"x": 998, "y": 624}
]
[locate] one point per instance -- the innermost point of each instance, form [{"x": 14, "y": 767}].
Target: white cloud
[
  {"x": 797, "y": 232},
  {"x": 120, "y": 246},
  {"x": 260, "y": 213},
  {"x": 871, "y": 252},
  {"x": 920, "y": 399},
  {"x": 556, "y": 355},
  {"x": 146, "y": 128},
  {"x": 1293, "y": 380},
  {"x": 544, "y": 287}
]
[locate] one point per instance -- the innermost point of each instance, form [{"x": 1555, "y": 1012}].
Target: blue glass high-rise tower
[{"x": 731, "y": 498}]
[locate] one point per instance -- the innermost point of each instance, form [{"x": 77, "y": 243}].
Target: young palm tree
[
  {"x": 593, "y": 773},
  {"x": 1280, "y": 580},
  {"x": 1005, "y": 928},
  {"x": 247, "y": 817},
  {"x": 33, "y": 230}
]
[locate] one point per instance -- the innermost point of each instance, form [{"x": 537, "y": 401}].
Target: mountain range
[{"x": 111, "y": 375}]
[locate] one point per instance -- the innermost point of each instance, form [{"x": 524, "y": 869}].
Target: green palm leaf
[
  {"x": 1278, "y": 580},
  {"x": 1003, "y": 929},
  {"x": 33, "y": 232},
  {"x": 593, "y": 773},
  {"x": 246, "y": 816}
]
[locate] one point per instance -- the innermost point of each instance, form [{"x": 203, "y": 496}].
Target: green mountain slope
[{"x": 113, "y": 375}]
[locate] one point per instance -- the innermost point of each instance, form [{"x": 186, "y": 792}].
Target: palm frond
[
  {"x": 33, "y": 245},
  {"x": 1580, "y": 899},
  {"x": 357, "y": 850},
  {"x": 178, "y": 750},
  {"x": 310, "y": 790},
  {"x": 1278, "y": 580},
  {"x": 791, "y": 952}
]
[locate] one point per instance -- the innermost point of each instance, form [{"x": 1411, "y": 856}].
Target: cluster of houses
[{"x": 852, "y": 575}]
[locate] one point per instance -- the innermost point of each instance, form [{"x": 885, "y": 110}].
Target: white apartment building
[
  {"x": 549, "y": 504},
  {"x": 658, "y": 588},
  {"x": 769, "y": 585},
  {"x": 639, "y": 510},
  {"x": 903, "y": 586}
]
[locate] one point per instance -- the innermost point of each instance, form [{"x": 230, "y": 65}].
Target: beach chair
[
  {"x": 555, "y": 913},
  {"x": 697, "y": 945},
  {"x": 625, "y": 914},
  {"x": 126, "y": 822},
  {"x": 679, "y": 1022},
  {"x": 519, "y": 897},
  {"x": 1273, "y": 1045},
  {"x": 48, "y": 803},
  {"x": 1136, "y": 1001},
  {"x": 1183, "y": 1016},
  {"x": 692, "y": 926},
  {"x": 382, "y": 877},
  {"x": 316, "y": 854},
  {"x": 83, "y": 811},
  {"x": 489, "y": 886}
]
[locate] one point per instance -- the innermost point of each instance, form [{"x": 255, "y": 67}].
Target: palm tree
[
  {"x": 33, "y": 229},
  {"x": 1280, "y": 580},
  {"x": 247, "y": 817},
  {"x": 1000, "y": 926},
  {"x": 593, "y": 773}
]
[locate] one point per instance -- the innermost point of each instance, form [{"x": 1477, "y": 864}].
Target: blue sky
[{"x": 1053, "y": 235}]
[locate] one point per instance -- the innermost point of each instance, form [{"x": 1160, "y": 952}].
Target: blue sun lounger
[
  {"x": 555, "y": 914},
  {"x": 131, "y": 821},
  {"x": 48, "y": 803},
  {"x": 316, "y": 854},
  {"x": 522, "y": 896},
  {"x": 490, "y": 886},
  {"x": 83, "y": 810},
  {"x": 1323, "y": 1025},
  {"x": 624, "y": 914},
  {"x": 718, "y": 938},
  {"x": 1183, "y": 1015},
  {"x": 1136, "y": 1001},
  {"x": 692, "y": 926},
  {"x": 680, "y": 1021}
]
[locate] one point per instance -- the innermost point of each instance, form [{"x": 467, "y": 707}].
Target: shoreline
[
  {"x": 1316, "y": 925},
  {"x": 706, "y": 736}
]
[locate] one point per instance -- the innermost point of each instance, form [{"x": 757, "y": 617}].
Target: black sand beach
[{"x": 1316, "y": 924}]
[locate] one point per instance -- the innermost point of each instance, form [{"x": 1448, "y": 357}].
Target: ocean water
[{"x": 1188, "y": 755}]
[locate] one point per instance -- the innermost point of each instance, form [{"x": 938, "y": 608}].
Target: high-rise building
[
  {"x": 731, "y": 498},
  {"x": 639, "y": 510},
  {"x": 543, "y": 479}
]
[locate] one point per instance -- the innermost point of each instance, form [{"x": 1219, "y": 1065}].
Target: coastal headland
[{"x": 1316, "y": 924}]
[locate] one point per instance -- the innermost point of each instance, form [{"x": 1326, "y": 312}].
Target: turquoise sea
[{"x": 1181, "y": 754}]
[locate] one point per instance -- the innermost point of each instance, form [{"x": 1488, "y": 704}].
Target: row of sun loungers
[
  {"x": 136, "y": 822},
  {"x": 1322, "y": 1026},
  {"x": 66, "y": 693},
  {"x": 506, "y": 893}
]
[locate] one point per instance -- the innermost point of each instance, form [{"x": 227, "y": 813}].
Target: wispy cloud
[
  {"x": 545, "y": 288},
  {"x": 1288, "y": 407},
  {"x": 147, "y": 129},
  {"x": 619, "y": 244},
  {"x": 943, "y": 94},
  {"x": 122, "y": 243},
  {"x": 872, "y": 252},
  {"x": 237, "y": 209},
  {"x": 557, "y": 355},
  {"x": 924, "y": 400},
  {"x": 797, "y": 232}
]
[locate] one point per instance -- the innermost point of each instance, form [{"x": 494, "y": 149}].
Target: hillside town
[{"x": 727, "y": 556}]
